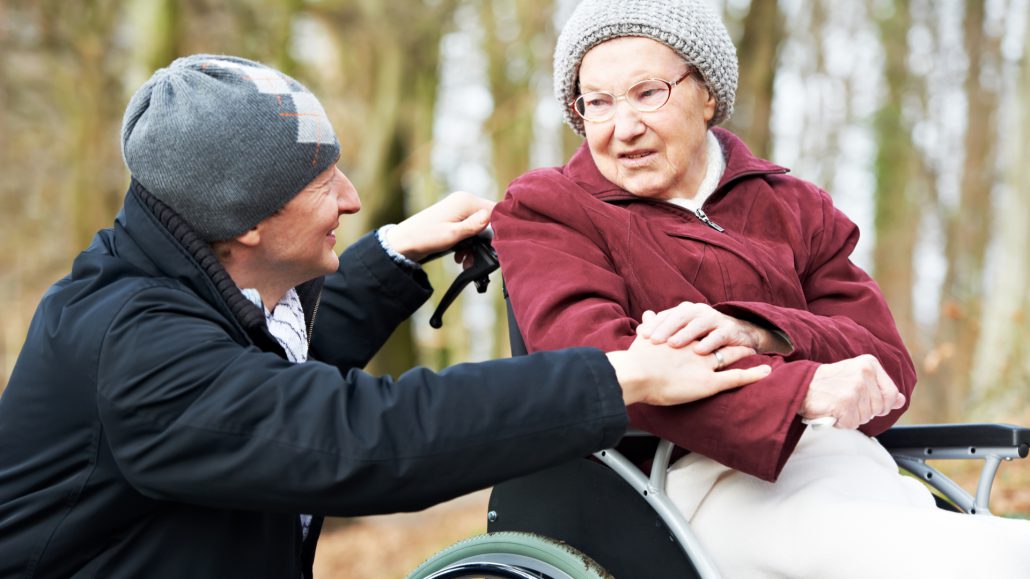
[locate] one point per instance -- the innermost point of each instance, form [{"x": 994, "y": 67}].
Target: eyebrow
[{"x": 330, "y": 175}]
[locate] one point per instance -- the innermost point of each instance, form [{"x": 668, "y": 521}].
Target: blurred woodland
[{"x": 914, "y": 115}]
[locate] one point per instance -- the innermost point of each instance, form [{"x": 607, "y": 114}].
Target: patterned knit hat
[
  {"x": 689, "y": 27},
  {"x": 225, "y": 141}
]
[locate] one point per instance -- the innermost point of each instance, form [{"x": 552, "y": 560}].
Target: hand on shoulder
[{"x": 441, "y": 225}]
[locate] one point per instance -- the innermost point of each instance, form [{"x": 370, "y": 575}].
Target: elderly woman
[{"x": 661, "y": 211}]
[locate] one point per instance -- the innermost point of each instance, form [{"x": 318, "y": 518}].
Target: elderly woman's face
[{"x": 658, "y": 154}]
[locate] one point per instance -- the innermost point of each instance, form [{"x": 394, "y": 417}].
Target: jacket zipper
[
  {"x": 704, "y": 219},
  {"x": 314, "y": 312},
  {"x": 699, "y": 213}
]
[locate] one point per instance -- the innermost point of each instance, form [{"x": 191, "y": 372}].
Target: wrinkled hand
[
  {"x": 440, "y": 226},
  {"x": 711, "y": 329},
  {"x": 853, "y": 391},
  {"x": 664, "y": 376}
]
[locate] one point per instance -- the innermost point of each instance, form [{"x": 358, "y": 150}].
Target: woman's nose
[{"x": 628, "y": 121}]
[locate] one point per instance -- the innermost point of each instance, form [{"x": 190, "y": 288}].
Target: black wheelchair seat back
[{"x": 589, "y": 507}]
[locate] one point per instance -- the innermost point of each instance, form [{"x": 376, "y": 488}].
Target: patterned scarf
[{"x": 286, "y": 324}]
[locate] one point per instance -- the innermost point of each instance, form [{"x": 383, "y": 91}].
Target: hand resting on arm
[
  {"x": 852, "y": 391},
  {"x": 663, "y": 376}
]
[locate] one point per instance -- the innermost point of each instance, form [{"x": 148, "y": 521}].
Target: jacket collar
[
  {"x": 160, "y": 242},
  {"x": 740, "y": 164}
]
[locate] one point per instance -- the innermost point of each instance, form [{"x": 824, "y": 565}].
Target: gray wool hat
[
  {"x": 690, "y": 27},
  {"x": 225, "y": 141}
]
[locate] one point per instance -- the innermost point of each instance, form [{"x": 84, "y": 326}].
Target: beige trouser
[{"x": 840, "y": 510}]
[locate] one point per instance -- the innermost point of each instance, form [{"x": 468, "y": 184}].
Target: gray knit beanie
[
  {"x": 689, "y": 27},
  {"x": 225, "y": 141}
]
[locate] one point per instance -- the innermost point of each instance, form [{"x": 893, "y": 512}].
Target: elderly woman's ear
[{"x": 711, "y": 104}]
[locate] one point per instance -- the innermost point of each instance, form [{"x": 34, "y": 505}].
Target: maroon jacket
[{"x": 583, "y": 259}]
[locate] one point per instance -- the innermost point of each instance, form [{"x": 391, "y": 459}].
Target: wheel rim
[
  {"x": 483, "y": 570},
  {"x": 504, "y": 566},
  {"x": 509, "y": 555}
]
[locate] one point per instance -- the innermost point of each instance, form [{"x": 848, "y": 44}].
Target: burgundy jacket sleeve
[
  {"x": 847, "y": 315},
  {"x": 565, "y": 292}
]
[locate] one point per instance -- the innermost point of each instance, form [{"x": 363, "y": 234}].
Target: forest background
[{"x": 914, "y": 115}]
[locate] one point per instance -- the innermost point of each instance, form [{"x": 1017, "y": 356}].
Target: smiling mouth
[{"x": 635, "y": 155}]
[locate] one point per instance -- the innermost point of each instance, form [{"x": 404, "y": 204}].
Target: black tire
[{"x": 509, "y": 555}]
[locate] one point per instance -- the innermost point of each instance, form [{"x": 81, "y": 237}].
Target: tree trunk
[
  {"x": 758, "y": 51},
  {"x": 1001, "y": 368},
  {"x": 968, "y": 229},
  {"x": 519, "y": 36},
  {"x": 898, "y": 204},
  {"x": 389, "y": 58},
  {"x": 85, "y": 73},
  {"x": 156, "y": 26}
]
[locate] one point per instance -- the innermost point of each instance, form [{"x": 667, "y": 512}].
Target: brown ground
[
  {"x": 388, "y": 547},
  {"x": 391, "y": 546}
]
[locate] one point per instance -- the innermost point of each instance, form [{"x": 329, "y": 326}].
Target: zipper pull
[{"x": 704, "y": 219}]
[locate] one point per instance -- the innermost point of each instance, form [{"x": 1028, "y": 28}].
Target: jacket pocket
[{"x": 722, "y": 268}]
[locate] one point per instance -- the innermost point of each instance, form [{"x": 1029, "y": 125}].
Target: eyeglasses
[{"x": 646, "y": 96}]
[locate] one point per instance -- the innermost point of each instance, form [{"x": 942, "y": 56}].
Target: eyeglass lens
[{"x": 645, "y": 96}]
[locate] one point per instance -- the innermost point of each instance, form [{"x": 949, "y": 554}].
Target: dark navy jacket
[{"x": 153, "y": 428}]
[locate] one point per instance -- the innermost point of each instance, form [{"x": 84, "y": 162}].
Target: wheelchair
[{"x": 601, "y": 516}]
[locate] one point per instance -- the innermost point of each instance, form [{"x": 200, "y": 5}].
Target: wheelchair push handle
[{"x": 484, "y": 262}]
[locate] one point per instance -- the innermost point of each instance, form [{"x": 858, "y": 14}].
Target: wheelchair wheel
[{"x": 509, "y": 555}]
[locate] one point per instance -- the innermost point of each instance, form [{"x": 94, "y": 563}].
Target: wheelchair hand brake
[{"x": 484, "y": 263}]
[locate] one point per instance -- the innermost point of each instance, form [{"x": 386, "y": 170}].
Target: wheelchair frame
[
  {"x": 652, "y": 489},
  {"x": 910, "y": 446}
]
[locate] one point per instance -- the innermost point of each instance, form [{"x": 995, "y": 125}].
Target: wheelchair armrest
[
  {"x": 941, "y": 436},
  {"x": 912, "y": 446}
]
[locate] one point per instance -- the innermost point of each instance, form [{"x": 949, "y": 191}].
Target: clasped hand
[{"x": 854, "y": 391}]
